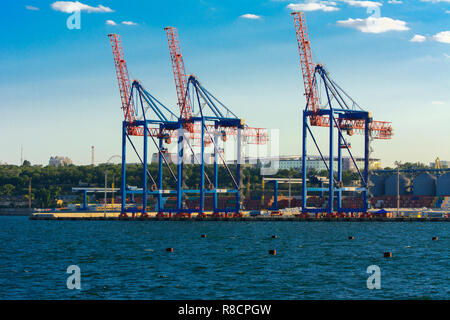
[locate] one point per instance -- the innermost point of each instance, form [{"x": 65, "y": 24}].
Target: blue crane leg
[
  {"x": 275, "y": 195},
  {"x": 123, "y": 192},
  {"x": 238, "y": 170},
  {"x": 216, "y": 177},
  {"x": 202, "y": 168},
  {"x": 180, "y": 170},
  {"x": 144, "y": 174},
  {"x": 160, "y": 176},
  {"x": 339, "y": 197},
  {"x": 366, "y": 162},
  {"x": 304, "y": 183}
]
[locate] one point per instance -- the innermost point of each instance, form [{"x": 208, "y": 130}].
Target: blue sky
[{"x": 60, "y": 96}]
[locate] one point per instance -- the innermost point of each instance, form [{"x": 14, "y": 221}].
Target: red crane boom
[
  {"x": 308, "y": 67},
  {"x": 179, "y": 73},
  {"x": 122, "y": 77}
]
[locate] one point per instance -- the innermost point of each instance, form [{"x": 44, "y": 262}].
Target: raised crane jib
[
  {"x": 122, "y": 77},
  {"x": 308, "y": 67},
  {"x": 179, "y": 73}
]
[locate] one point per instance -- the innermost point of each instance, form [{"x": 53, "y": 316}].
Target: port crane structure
[
  {"x": 338, "y": 112},
  {"x": 160, "y": 127},
  {"x": 210, "y": 126}
]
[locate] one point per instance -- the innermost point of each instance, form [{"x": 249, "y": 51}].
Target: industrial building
[
  {"x": 59, "y": 161},
  {"x": 312, "y": 163},
  {"x": 316, "y": 163},
  {"x": 425, "y": 184},
  {"x": 443, "y": 185}
]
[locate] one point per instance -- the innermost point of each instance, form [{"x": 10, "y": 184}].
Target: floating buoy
[
  {"x": 274, "y": 236},
  {"x": 273, "y": 252},
  {"x": 169, "y": 249},
  {"x": 388, "y": 254},
  {"x": 203, "y": 235},
  {"x": 435, "y": 239}
]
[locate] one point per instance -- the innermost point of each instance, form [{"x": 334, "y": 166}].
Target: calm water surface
[{"x": 315, "y": 260}]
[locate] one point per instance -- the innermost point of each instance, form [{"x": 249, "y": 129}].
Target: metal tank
[
  {"x": 424, "y": 185},
  {"x": 376, "y": 185},
  {"x": 443, "y": 185},
  {"x": 390, "y": 185}
]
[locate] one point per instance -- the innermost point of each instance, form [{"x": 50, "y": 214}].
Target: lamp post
[{"x": 398, "y": 187}]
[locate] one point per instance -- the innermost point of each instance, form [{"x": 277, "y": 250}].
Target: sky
[{"x": 60, "y": 94}]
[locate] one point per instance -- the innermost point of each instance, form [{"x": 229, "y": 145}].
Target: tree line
[{"x": 49, "y": 182}]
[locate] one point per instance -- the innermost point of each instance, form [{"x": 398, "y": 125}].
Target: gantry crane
[
  {"x": 205, "y": 129},
  {"x": 338, "y": 111},
  {"x": 160, "y": 124},
  {"x": 156, "y": 122}
]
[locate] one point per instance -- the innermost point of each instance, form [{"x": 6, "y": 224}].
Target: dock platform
[{"x": 114, "y": 216}]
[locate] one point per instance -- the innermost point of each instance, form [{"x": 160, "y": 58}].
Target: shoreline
[{"x": 244, "y": 219}]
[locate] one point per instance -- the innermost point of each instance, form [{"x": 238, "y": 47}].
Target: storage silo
[
  {"x": 376, "y": 185},
  {"x": 443, "y": 185},
  {"x": 424, "y": 185},
  {"x": 390, "y": 185}
]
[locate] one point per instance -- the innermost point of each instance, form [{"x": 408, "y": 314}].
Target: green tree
[
  {"x": 47, "y": 197},
  {"x": 7, "y": 189}
]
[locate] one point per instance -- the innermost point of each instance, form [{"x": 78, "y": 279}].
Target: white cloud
[
  {"x": 395, "y": 2},
  {"x": 418, "y": 38},
  {"x": 73, "y": 6},
  {"x": 113, "y": 23},
  {"x": 437, "y": 102},
  {"x": 435, "y": 1},
  {"x": 32, "y": 8},
  {"x": 447, "y": 55},
  {"x": 374, "y": 25},
  {"x": 363, "y": 4},
  {"x": 326, "y": 6},
  {"x": 443, "y": 36},
  {"x": 250, "y": 16}
]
